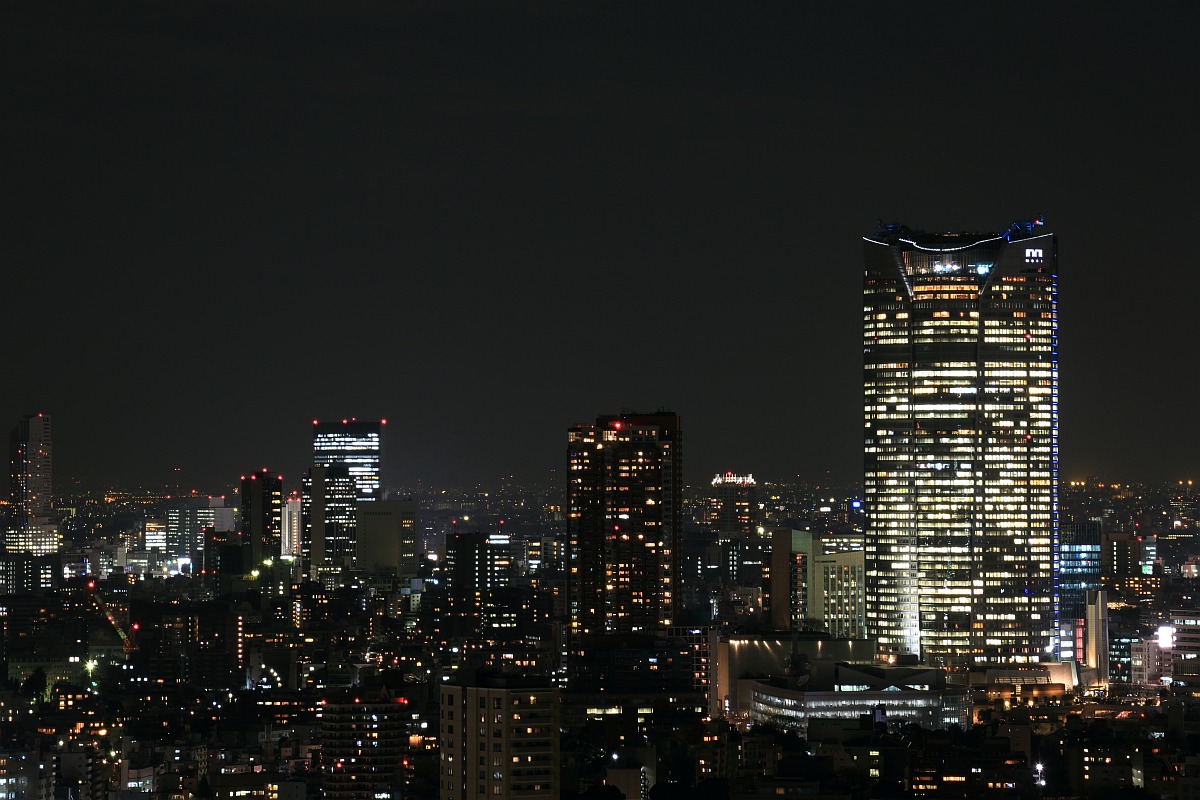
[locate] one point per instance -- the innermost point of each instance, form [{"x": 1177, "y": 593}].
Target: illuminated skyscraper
[
  {"x": 961, "y": 443},
  {"x": 356, "y": 444},
  {"x": 733, "y": 504},
  {"x": 329, "y": 539},
  {"x": 31, "y": 469},
  {"x": 624, "y": 526},
  {"x": 30, "y": 527}
]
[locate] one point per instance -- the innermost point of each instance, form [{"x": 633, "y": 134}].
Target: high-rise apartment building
[
  {"x": 30, "y": 527},
  {"x": 500, "y": 737},
  {"x": 733, "y": 504},
  {"x": 624, "y": 524},
  {"x": 961, "y": 443},
  {"x": 363, "y": 740},
  {"x": 293, "y": 517},
  {"x": 355, "y": 443},
  {"x": 31, "y": 469}
]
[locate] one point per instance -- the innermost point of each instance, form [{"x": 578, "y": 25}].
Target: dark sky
[{"x": 486, "y": 222}]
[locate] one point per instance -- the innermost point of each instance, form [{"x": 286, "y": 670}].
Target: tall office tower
[
  {"x": 733, "y": 504},
  {"x": 356, "y": 444},
  {"x": 500, "y": 737},
  {"x": 624, "y": 525},
  {"x": 329, "y": 541},
  {"x": 262, "y": 514},
  {"x": 478, "y": 566},
  {"x": 31, "y": 473},
  {"x": 961, "y": 444}
]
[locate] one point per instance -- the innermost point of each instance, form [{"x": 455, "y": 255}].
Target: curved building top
[{"x": 894, "y": 234}]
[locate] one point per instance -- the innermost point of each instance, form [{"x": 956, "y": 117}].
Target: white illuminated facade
[
  {"x": 961, "y": 444},
  {"x": 292, "y": 525},
  {"x": 356, "y": 444}
]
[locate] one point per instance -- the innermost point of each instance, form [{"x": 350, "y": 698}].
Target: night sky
[{"x": 486, "y": 222}]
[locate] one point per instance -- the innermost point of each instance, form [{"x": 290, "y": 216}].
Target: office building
[
  {"x": 624, "y": 525},
  {"x": 816, "y": 585},
  {"x": 329, "y": 508},
  {"x": 356, "y": 444},
  {"x": 1078, "y": 575},
  {"x": 154, "y": 535},
  {"x": 188, "y": 518},
  {"x": 500, "y": 738},
  {"x": 961, "y": 444},
  {"x": 838, "y": 599},
  {"x": 262, "y": 514},
  {"x": 478, "y": 567},
  {"x": 792, "y": 552},
  {"x": 387, "y": 537}
]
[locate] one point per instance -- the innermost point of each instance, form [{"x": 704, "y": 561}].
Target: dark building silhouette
[
  {"x": 624, "y": 524},
  {"x": 262, "y": 514}
]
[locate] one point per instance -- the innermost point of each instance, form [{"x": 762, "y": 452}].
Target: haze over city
[{"x": 487, "y": 223}]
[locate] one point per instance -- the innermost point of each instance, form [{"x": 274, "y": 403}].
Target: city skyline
[{"x": 447, "y": 212}]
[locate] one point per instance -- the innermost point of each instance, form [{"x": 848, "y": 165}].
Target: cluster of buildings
[{"x": 626, "y": 630}]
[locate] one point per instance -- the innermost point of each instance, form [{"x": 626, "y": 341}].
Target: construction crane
[{"x": 127, "y": 641}]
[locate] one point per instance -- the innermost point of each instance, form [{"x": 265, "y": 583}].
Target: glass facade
[
  {"x": 355, "y": 443},
  {"x": 1078, "y": 574},
  {"x": 961, "y": 444}
]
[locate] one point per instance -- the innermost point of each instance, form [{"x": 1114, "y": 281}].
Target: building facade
[
  {"x": 357, "y": 444},
  {"x": 733, "y": 505},
  {"x": 262, "y": 514},
  {"x": 1078, "y": 575},
  {"x": 31, "y": 475},
  {"x": 31, "y": 481},
  {"x": 961, "y": 443},
  {"x": 363, "y": 739},
  {"x": 500, "y": 738},
  {"x": 624, "y": 526}
]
